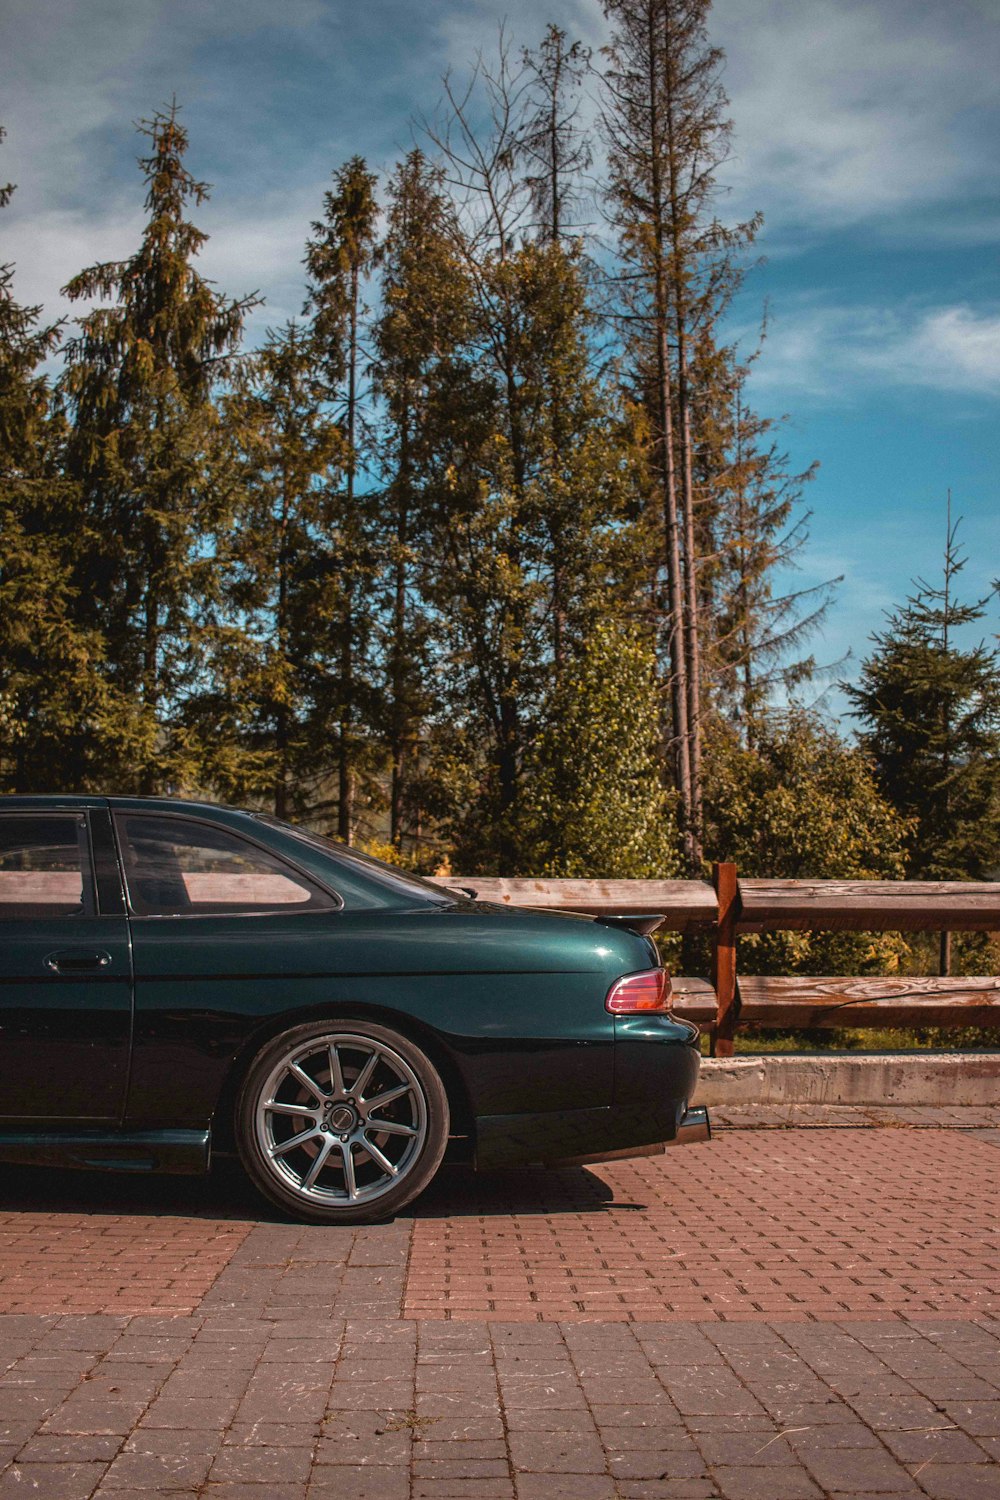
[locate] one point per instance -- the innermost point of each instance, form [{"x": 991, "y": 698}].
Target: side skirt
[{"x": 178, "y": 1151}]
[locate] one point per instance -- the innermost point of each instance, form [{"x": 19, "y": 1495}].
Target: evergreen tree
[
  {"x": 141, "y": 377},
  {"x": 930, "y": 710},
  {"x": 256, "y": 721},
  {"x": 423, "y": 322},
  {"x": 752, "y": 528},
  {"x": 535, "y": 487},
  {"x": 554, "y": 149},
  {"x": 340, "y": 257},
  {"x": 58, "y": 717},
  {"x": 666, "y": 129}
]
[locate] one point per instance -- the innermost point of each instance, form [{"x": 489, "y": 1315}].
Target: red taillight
[{"x": 649, "y": 990}]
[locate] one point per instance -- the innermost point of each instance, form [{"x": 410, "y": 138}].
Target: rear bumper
[
  {"x": 694, "y": 1126},
  {"x": 656, "y": 1071}
]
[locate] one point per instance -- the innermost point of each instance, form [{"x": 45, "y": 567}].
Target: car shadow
[
  {"x": 225, "y": 1194},
  {"x": 459, "y": 1192}
]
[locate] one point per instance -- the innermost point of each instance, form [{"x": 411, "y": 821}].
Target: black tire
[{"x": 324, "y": 1090}]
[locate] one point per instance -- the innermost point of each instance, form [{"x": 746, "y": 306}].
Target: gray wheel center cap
[{"x": 342, "y": 1117}]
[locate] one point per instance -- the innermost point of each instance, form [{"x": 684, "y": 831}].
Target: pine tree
[
  {"x": 752, "y": 528},
  {"x": 554, "y": 149},
  {"x": 140, "y": 380},
  {"x": 665, "y": 125},
  {"x": 257, "y": 719},
  {"x": 340, "y": 257},
  {"x": 423, "y": 321},
  {"x": 930, "y": 710},
  {"x": 58, "y": 718},
  {"x": 535, "y": 486}
]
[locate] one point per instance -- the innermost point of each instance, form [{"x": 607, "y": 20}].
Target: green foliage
[
  {"x": 255, "y": 720},
  {"x": 427, "y": 570},
  {"x": 930, "y": 708},
  {"x": 147, "y": 454},
  {"x": 803, "y": 804},
  {"x": 423, "y": 323},
  {"x": 593, "y": 803},
  {"x": 340, "y": 256},
  {"x": 59, "y": 718}
]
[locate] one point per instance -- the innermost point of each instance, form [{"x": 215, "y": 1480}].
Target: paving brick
[
  {"x": 960, "y": 1481},
  {"x": 565, "y": 1487},
  {"x": 755, "y": 1483},
  {"x": 70, "y": 1481},
  {"x": 133, "y": 1472},
  {"x": 567, "y": 1246},
  {"x": 364, "y": 1482},
  {"x": 848, "y": 1469}
]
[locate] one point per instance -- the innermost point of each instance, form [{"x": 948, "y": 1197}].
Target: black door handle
[{"x": 77, "y": 960}]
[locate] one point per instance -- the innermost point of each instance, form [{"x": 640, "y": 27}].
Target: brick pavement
[
  {"x": 798, "y": 1224},
  {"x": 295, "y": 1375}
]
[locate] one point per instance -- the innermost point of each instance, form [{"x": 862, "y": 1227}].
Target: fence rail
[{"x": 730, "y": 906}]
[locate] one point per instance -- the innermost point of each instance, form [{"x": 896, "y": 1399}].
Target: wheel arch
[{"x": 422, "y": 1036}]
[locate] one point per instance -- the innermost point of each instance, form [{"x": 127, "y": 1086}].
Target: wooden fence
[{"x": 730, "y": 906}]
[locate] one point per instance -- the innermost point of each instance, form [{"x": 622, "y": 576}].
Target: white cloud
[
  {"x": 833, "y": 353},
  {"x": 847, "y": 110},
  {"x": 956, "y": 348}
]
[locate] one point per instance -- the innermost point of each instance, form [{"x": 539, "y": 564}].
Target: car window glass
[
  {"x": 179, "y": 867},
  {"x": 43, "y": 866},
  {"x": 395, "y": 882}
]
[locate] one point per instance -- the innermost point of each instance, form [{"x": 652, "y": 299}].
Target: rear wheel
[{"x": 341, "y": 1122}]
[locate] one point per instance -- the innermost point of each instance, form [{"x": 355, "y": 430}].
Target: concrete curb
[{"x": 930, "y": 1078}]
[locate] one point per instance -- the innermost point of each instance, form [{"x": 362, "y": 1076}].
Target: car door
[{"x": 65, "y": 969}]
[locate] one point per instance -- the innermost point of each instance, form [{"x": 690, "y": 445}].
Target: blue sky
[{"x": 867, "y": 131}]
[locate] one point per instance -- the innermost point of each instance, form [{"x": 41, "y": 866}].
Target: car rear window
[
  {"x": 182, "y": 867},
  {"x": 352, "y": 864}
]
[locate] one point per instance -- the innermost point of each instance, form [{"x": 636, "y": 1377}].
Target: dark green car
[{"x": 179, "y": 978}]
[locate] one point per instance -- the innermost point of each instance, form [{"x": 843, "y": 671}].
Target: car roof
[{"x": 38, "y": 801}]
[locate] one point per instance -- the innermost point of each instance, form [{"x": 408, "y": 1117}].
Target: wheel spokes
[
  {"x": 391, "y": 1127},
  {"x": 377, "y": 1156},
  {"x": 336, "y": 1072},
  {"x": 381, "y": 1100},
  {"x": 277, "y": 1108},
  {"x": 307, "y": 1083},
  {"x": 350, "y": 1180},
  {"x": 319, "y": 1163},
  {"x": 280, "y": 1147},
  {"x": 364, "y": 1077},
  {"x": 365, "y": 1156}
]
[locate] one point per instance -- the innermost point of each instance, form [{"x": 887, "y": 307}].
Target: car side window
[
  {"x": 178, "y": 867},
  {"x": 44, "y": 866}
]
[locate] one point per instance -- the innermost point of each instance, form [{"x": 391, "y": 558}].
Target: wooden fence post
[{"x": 724, "y": 959}]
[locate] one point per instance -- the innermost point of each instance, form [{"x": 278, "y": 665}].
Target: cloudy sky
[{"x": 867, "y": 131}]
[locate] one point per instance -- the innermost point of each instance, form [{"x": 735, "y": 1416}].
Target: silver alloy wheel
[{"x": 341, "y": 1119}]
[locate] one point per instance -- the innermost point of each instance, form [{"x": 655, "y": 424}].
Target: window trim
[
  {"x": 85, "y": 849},
  {"x": 118, "y": 813}
]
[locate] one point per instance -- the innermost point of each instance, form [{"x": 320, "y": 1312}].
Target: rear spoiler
[{"x": 642, "y": 922}]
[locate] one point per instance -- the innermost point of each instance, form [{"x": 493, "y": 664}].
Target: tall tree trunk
[
  {"x": 281, "y": 725},
  {"x": 345, "y": 768},
  {"x": 681, "y": 741},
  {"x": 692, "y": 633},
  {"x": 398, "y": 726}
]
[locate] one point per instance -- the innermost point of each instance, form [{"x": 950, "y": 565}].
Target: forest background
[{"x": 483, "y": 560}]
